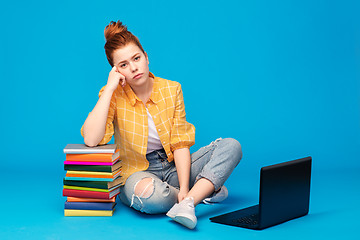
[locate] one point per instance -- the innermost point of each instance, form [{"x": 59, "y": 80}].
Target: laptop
[{"x": 284, "y": 195}]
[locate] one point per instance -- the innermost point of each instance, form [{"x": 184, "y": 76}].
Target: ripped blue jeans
[{"x": 214, "y": 162}]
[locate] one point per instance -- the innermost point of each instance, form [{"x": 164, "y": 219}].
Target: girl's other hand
[
  {"x": 115, "y": 78},
  {"x": 182, "y": 194}
]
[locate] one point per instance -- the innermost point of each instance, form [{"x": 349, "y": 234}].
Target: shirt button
[
  {"x": 159, "y": 130},
  {"x": 164, "y": 142}
]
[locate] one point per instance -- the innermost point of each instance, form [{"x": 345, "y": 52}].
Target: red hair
[{"x": 117, "y": 36}]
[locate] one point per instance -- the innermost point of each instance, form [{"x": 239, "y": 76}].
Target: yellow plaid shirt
[{"x": 127, "y": 120}]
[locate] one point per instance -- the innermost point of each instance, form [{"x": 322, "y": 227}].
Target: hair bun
[
  {"x": 117, "y": 36},
  {"x": 114, "y": 28}
]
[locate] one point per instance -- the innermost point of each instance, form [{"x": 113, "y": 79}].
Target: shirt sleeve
[
  {"x": 109, "y": 128},
  {"x": 182, "y": 132}
]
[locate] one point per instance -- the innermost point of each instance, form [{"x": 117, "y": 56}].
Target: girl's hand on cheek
[
  {"x": 122, "y": 80},
  {"x": 115, "y": 78}
]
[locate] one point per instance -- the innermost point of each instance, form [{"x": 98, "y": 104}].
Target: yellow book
[{"x": 90, "y": 213}]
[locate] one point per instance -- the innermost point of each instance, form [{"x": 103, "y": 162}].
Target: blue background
[{"x": 282, "y": 77}]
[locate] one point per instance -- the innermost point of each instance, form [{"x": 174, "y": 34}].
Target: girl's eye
[
  {"x": 137, "y": 58},
  {"x": 123, "y": 65}
]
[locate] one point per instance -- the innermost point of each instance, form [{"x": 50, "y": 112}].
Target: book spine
[
  {"x": 90, "y": 157},
  {"x": 87, "y": 213},
  {"x": 90, "y": 184},
  {"x": 105, "y": 174},
  {"x": 88, "y": 163},
  {"x": 90, "y": 168},
  {"x": 89, "y": 205},
  {"x": 85, "y": 194},
  {"x": 89, "y": 176},
  {"x": 89, "y": 179},
  {"x": 86, "y": 189},
  {"x": 77, "y": 199}
]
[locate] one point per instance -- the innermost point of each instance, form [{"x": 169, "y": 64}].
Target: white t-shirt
[{"x": 154, "y": 142}]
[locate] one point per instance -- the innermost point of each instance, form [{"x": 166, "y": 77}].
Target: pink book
[{"x": 88, "y": 163}]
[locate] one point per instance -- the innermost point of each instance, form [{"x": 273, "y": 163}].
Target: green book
[
  {"x": 94, "y": 184},
  {"x": 93, "y": 168}
]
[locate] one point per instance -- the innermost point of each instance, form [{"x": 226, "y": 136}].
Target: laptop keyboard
[{"x": 248, "y": 220}]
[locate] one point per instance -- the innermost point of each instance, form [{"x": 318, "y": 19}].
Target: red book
[{"x": 90, "y": 194}]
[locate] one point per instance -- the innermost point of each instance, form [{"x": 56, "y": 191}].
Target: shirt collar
[{"x": 154, "y": 97}]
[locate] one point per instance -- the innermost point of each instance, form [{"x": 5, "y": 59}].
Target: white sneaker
[
  {"x": 184, "y": 213},
  {"x": 172, "y": 212},
  {"x": 217, "y": 197}
]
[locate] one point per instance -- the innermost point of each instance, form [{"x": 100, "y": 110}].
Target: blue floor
[{"x": 33, "y": 209}]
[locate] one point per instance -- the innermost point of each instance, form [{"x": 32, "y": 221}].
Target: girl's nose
[{"x": 133, "y": 67}]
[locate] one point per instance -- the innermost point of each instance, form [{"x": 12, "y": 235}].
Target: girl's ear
[{"x": 147, "y": 59}]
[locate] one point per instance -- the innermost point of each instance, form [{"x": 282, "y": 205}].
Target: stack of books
[{"x": 92, "y": 180}]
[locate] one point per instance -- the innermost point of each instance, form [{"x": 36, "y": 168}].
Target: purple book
[{"x": 89, "y": 205}]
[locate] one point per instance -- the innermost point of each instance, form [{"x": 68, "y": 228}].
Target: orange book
[
  {"x": 93, "y": 157},
  {"x": 76, "y": 199}
]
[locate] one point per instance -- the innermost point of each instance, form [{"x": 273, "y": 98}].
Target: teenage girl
[{"x": 146, "y": 114}]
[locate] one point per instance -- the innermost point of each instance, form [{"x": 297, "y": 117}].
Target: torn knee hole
[{"x": 144, "y": 188}]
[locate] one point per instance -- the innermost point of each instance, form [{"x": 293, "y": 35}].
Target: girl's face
[{"x": 133, "y": 64}]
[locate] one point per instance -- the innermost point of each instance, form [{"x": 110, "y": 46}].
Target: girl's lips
[{"x": 138, "y": 76}]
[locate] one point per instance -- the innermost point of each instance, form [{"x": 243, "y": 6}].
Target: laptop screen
[{"x": 284, "y": 191}]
